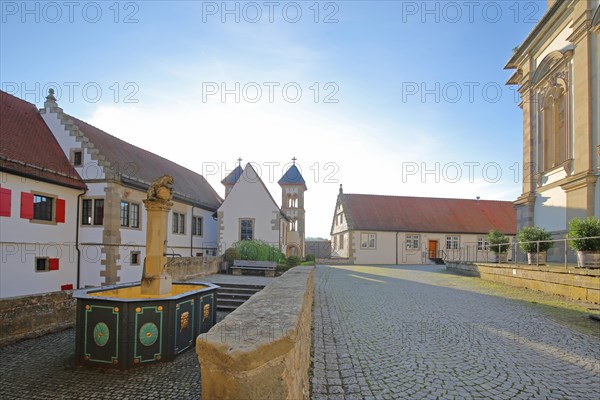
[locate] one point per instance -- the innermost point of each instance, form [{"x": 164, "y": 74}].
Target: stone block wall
[
  {"x": 262, "y": 349},
  {"x": 32, "y": 316},
  {"x": 184, "y": 268},
  {"x": 575, "y": 284}
]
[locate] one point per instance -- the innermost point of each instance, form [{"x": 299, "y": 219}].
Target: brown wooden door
[{"x": 432, "y": 249}]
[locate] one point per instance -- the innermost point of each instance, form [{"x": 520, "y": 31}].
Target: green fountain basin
[{"x": 118, "y": 327}]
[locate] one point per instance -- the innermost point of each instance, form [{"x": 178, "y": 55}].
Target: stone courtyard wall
[
  {"x": 575, "y": 284},
  {"x": 262, "y": 349},
  {"x": 36, "y": 315},
  {"x": 184, "y": 268}
]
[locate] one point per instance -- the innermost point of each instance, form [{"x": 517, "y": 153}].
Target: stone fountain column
[{"x": 155, "y": 279}]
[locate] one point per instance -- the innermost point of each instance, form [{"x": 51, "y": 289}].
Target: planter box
[
  {"x": 537, "y": 258},
  {"x": 500, "y": 258},
  {"x": 588, "y": 259}
]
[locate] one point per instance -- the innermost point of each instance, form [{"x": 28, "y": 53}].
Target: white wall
[
  {"x": 22, "y": 241},
  {"x": 249, "y": 198},
  {"x": 90, "y": 169},
  {"x": 385, "y": 251},
  {"x": 550, "y": 210}
]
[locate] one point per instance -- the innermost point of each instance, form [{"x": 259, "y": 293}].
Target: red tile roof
[
  {"x": 28, "y": 147},
  {"x": 138, "y": 166},
  {"x": 425, "y": 214}
]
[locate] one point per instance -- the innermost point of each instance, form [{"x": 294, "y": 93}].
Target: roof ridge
[
  {"x": 423, "y": 197},
  {"x": 77, "y": 120}
]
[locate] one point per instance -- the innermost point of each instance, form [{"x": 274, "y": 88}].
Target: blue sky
[{"x": 420, "y": 102}]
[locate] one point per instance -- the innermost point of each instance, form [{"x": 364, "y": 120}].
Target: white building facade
[
  {"x": 373, "y": 229},
  {"x": 112, "y": 218},
  {"x": 39, "y": 192}
]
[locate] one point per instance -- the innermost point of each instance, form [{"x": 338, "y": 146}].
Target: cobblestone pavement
[
  {"x": 418, "y": 333},
  {"x": 43, "y": 368}
]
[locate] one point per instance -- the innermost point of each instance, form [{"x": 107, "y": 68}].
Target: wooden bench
[{"x": 246, "y": 265}]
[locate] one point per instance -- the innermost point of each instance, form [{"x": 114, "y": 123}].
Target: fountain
[{"x": 128, "y": 325}]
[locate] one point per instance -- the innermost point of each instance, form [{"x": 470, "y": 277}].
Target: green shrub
[
  {"x": 309, "y": 257},
  {"x": 293, "y": 261},
  {"x": 579, "y": 228},
  {"x": 498, "y": 242},
  {"x": 257, "y": 250},
  {"x": 231, "y": 254},
  {"x": 307, "y": 263},
  {"x": 533, "y": 234},
  {"x": 282, "y": 268}
]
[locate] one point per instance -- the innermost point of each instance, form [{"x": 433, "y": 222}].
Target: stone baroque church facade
[{"x": 556, "y": 70}]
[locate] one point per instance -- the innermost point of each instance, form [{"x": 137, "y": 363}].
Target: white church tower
[{"x": 293, "y": 187}]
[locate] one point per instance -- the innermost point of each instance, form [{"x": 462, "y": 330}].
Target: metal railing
[{"x": 559, "y": 254}]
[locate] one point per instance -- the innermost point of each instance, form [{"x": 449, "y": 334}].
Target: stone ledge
[
  {"x": 186, "y": 268},
  {"x": 27, "y": 317},
  {"x": 575, "y": 284},
  {"x": 262, "y": 349}
]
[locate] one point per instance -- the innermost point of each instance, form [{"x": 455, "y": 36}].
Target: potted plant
[
  {"x": 534, "y": 241},
  {"x": 499, "y": 244},
  {"x": 588, "y": 250}
]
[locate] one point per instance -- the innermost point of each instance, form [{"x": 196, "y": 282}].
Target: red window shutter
[
  {"x": 26, "y": 205},
  {"x": 5, "y": 202},
  {"x": 53, "y": 264},
  {"x": 60, "y": 210},
  {"x": 68, "y": 286}
]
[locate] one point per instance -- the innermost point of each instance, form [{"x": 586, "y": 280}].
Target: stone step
[
  {"x": 244, "y": 296},
  {"x": 249, "y": 291},
  {"x": 230, "y": 302},
  {"x": 239, "y": 285},
  {"x": 232, "y": 295}
]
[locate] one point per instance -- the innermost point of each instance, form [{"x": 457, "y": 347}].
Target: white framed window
[
  {"x": 413, "y": 242},
  {"x": 342, "y": 241},
  {"x": 178, "y": 223},
  {"x": 482, "y": 243},
  {"x": 452, "y": 242},
  {"x": 134, "y": 258},
  {"x": 124, "y": 213},
  {"x": 42, "y": 264},
  {"x": 135, "y": 215},
  {"x": 77, "y": 157},
  {"x": 246, "y": 229},
  {"x": 92, "y": 212},
  {"x": 368, "y": 240},
  {"x": 197, "y": 226}
]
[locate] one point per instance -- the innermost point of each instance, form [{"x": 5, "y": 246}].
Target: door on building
[{"x": 433, "y": 248}]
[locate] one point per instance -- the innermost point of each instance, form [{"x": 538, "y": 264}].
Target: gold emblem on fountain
[
  {"x": 184, "y": 321},
  {"x": 205, "y": 312}
]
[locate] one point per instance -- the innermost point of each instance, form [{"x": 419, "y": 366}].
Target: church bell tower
[{"x": 293, "y": 187}]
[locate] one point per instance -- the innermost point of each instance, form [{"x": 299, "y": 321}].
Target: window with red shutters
[
  {"x": 60, "y": 210},
  {"x": 53, "y": 264},
  {"x": 5, "y": 202},
  {"x": 26, "y": 205}
]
